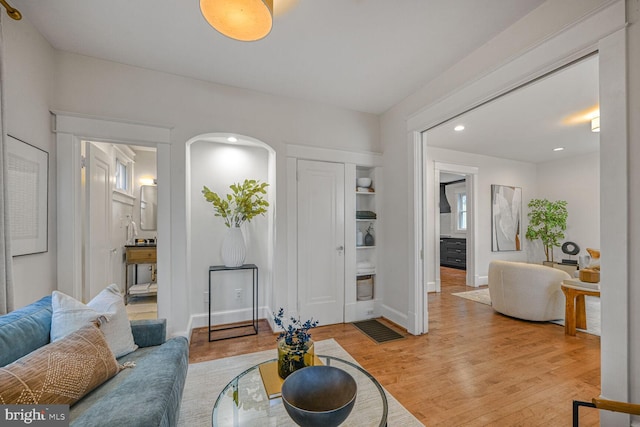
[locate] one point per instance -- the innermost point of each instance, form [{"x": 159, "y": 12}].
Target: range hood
[{"x": 444, "y": 203}]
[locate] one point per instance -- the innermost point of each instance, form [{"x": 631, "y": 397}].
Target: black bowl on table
[{"x": 319, "y": 396}]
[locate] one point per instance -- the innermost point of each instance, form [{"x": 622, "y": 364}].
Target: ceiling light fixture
[
  {"x": 558, "y": 149},
  {"x": 595, "y": 124},
  {"x": 244, "y": 20},
  {"x": 459, "y": 128},
  {"x": 232, "y": 139},
  {"x": 11, "y": 11}
]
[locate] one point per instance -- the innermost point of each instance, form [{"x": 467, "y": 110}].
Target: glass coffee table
[{"x": 244, "y": 401}]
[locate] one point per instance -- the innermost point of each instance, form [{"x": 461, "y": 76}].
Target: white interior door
[
  {"x": 98, "y": 252},
  {"x": 321, "y": 219}
]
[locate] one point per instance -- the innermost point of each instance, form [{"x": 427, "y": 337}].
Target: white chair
[{"x": 527, "y": 291}]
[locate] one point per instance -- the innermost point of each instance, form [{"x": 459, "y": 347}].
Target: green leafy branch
[{"x": 245, "y": 203}]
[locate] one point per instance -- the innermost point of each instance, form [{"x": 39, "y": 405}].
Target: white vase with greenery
[{"x": 245, "y": 203}]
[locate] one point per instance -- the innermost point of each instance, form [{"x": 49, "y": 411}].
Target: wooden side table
[{"x": 575, "y": 315}]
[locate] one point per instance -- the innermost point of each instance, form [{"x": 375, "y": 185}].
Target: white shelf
[{"x": 356, "y": 309}]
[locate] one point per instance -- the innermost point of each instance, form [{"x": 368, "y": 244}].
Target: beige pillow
[
  {"x": 61, "y": 372},
  {"x": 108, "y": 306}
]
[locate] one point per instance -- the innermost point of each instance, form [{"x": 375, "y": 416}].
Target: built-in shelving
[{"x": 363, "y": 276}]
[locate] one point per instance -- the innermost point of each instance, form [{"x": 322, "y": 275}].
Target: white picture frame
[{"x": 28, "y": 196}]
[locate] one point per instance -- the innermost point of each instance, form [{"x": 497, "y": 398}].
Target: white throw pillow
[{"x": 69, "y": 315}]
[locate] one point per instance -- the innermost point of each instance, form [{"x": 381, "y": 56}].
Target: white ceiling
[
  {"x": 364, "y": 55},
  {"x": 528, "y": 123}
]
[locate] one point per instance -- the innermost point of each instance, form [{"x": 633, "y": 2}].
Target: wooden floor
[{"x": 474, "y": 368}]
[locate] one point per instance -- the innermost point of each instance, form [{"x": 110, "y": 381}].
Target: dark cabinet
[{"x": 453, "y": 252}]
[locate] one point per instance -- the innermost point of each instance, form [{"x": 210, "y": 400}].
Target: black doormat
[{"x": 377, "y": 331}]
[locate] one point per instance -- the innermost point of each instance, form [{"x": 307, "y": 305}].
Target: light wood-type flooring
[{"x": 475, "y": 367}]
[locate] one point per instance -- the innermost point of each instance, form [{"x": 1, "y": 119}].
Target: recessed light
[
  {"x": 459, "y": 128},
  {"x": 232, "y": 139},
  {"x": 558, "y": 149}
]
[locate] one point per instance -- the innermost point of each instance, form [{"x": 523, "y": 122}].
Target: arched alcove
[{"x": 218, "y": 160}]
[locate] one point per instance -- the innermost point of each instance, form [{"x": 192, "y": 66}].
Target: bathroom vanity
[{"x": 141, "y": 253}]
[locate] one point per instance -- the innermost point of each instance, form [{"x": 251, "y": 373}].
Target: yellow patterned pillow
[{"x": 61, "y": 372}]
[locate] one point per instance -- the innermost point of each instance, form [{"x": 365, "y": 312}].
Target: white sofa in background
[{"x": 527, "y": 291}]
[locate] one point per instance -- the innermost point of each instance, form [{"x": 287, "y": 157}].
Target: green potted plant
[
  {"x": 245, "y": 203},
  {"x": 547, "y": 222},
  {"x": 295, "y": 347}
]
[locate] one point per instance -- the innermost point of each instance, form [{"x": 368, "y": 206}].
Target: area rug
[
  {"x": 592, "y": 305},
  {"x": 205, "y": 381},
  {"x": 378, "y": 332},
  {"x": 480, "y": 295}
]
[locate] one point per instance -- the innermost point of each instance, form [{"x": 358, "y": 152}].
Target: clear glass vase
[{"x": 292, "y": 358}]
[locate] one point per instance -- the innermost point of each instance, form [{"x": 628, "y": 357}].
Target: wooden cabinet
[
  {"x": 141, "y": 255},
  {"x": 453, "y": 252},
  {"x": 135, "y": 255}
]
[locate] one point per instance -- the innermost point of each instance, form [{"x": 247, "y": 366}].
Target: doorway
[
  {"x": 120, "y": 224},
  {"x": 455, "y": 225},
  {"x": 528, "y": 138}
]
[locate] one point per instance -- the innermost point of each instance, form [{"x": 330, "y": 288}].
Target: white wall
[
  {"x": 28, "y": 63},
  {"x": 633, "y": 99},
  {"x": 218, "y": 166},
  {"x": 191, "y": 107},
  {"x": 491, "y": 170},
  {"x": 576, "y": 180}
]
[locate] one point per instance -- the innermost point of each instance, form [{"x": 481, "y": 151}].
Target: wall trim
[
  {"x": 201, "y": 320},
  {"x": 394, "y": 315},
  {"x": 70, "y": 129},
  {"x": 369, "y": 159}
]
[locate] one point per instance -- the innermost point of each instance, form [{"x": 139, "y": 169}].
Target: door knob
[{"x": 340, "y": 248}]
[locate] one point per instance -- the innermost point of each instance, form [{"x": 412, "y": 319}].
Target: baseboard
[
  {"x": 201, "y": 320},
  {"x": 480, "y": 281},
  {"x": 394, "y": 315},
  {"x": 431, "y": 286}
]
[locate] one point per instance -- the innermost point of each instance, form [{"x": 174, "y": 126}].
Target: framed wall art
[
  {"x": 28, "y": 192},
  {"x": 506, "y": 218}
]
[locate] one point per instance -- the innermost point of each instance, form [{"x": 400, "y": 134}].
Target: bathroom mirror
[{"x": 148, "y": 206}]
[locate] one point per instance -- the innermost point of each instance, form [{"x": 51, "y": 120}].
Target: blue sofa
[{"x": 147, "y": 395}]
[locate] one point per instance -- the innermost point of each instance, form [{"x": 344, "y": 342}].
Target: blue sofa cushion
[
  {"x": 149, "y": 332},
  {"x": 25, "y": 330},
  {"x": 147, "y": 395}
]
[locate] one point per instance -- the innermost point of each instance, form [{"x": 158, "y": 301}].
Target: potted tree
[
  {"x": 547, "y": 222},
  {"x": 245, "y": 203}
]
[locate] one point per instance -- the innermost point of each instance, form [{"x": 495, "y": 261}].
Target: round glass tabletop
[{"x": 244, "y": 401}]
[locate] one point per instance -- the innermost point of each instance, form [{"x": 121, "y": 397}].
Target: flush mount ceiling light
[
  {"x": 459, "y": 128},
  {"x": 595, "y": 124},
  {"x": 558, "y": 149},
  {"x": 244, "y": 20}
]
